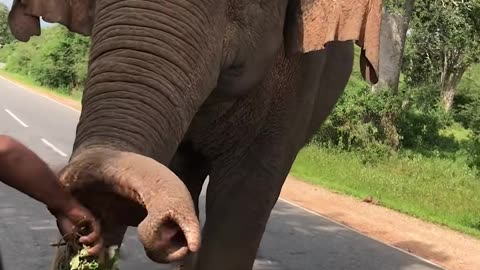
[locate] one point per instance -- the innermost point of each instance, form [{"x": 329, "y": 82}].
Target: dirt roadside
[{"x": 442, "y": 246}]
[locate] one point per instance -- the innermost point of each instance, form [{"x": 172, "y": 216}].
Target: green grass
[
  {"x": 25, "y": 80},
  {"x": 433, "y": 189}
]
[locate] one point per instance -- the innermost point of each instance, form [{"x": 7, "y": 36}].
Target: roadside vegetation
[
  {"x": 434, "y": 175},
  {"x": 413, "y": 145},
  {"x": 57, "y": 59}
]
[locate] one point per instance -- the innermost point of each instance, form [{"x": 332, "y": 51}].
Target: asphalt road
[{"x": 295, "y": 239}]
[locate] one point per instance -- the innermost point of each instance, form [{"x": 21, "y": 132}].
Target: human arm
[{"x": 23, "y": 170}]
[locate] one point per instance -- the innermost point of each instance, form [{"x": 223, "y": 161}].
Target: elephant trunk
[
  {"x": 116, "y": 184},
  {"x": 148, "y": 74},
  {"x": 152, "y": 65}
]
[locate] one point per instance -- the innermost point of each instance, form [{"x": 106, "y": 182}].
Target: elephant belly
[{"x": 280, "y": 108}]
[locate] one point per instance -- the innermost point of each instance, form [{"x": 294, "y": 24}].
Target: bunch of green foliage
[{"x": 80, "y": 260}]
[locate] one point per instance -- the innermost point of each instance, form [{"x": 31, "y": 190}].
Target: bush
[
  {"x": 422, "y": 118},
  {"x": 5, "y": 51},
  {"x": 356, "y": 121},
  {"x": 60, "y": 62},
  {"x": 18, "y": 61},
  {"x": 374, "y": 122}
]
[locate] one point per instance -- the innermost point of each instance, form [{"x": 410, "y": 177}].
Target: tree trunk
[
  {"x": 449, "y": 87},
  {"x": 447, "y": 98},
  {"x": 390, "y": 52},
  {"x": 393, "y": 35}
]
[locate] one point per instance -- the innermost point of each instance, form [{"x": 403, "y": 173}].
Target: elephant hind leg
[
  {"x": 239, "y": 203},
  {"x": 192, "y": 168}
]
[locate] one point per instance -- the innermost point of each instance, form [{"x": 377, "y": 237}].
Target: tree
[
  {"x": 5, "y": 34},
  {"x": 444, "y": 43},
  {"x": 396, "y": 16}
]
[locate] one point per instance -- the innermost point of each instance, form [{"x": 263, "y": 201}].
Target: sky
[
  {"x": 7, "y": 2},
  {"x": 9, "y": 5}
]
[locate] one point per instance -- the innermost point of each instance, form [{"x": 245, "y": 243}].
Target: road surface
[{"x": 295, "y": 239}]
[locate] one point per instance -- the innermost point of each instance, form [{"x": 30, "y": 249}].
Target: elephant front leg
[{"x": 237, "y": 211}]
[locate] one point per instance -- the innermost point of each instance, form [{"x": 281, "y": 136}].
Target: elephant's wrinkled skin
[{"x": 231, "y": 89}]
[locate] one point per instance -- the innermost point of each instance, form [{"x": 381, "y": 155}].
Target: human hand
[{"x": 75, "y": 220}]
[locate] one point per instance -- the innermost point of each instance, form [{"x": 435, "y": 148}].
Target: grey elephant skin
[{"x": 179, "y": 90}]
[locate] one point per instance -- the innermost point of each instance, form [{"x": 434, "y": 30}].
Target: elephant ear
[
  {"x": 313, "y": 23},
  {"x": 76, "y": 15}
]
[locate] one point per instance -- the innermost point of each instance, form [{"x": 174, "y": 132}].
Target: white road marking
[
  {"x": 42, "y": 228},
  {"x": 58, "y": 151},
  {"x": 16, "y": 118}
]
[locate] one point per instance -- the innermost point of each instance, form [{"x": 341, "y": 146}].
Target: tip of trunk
[
  {"x": 167, "y": 239},
  {"x": 130, "y": 189}
]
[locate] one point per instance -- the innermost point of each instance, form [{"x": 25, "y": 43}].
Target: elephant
[{"x": 181, "y": 90}]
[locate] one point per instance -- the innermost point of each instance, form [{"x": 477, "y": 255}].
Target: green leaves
[
  {"x": 394, "y": 6},
  {"x": 444, "y": 39},
  {"x": 81, "y": 261}
]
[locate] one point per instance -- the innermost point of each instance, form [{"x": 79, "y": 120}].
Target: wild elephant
[{"x": 179, "y": 90}]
